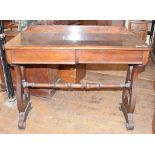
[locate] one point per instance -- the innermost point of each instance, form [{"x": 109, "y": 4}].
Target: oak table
[{"x": 61, "y": 45}]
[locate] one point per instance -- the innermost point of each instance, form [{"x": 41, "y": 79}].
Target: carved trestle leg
[
  {"x": 23, "y": 97},
  {"x": 129, "y": 95}
]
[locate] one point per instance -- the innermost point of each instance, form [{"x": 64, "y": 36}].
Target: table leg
[
  {"x": 129, "y": 95},
  {"x": 23, "y": 97}
]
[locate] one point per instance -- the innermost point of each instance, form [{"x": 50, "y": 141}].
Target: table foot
[
  {"x": 130, "y": 123},
  {"x": 23, "y": 116},
  {"x": 21, "y": 122},
  {"x": 128, "y": 117}
]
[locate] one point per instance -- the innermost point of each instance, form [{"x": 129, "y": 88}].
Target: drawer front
[
  {"x": 43, "y": 57},
  {"x": 111, "y": 57}
]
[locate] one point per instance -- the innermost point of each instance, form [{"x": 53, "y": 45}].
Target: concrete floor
[{"x": 86, "y": 111}]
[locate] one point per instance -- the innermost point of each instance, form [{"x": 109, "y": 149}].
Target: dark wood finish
[
  {"x": 75, "y": 73},
  {"x": 23, "y": 97},
  {"x": 68, "y": 73},
  {"x": 70, "y": 86},
  {"x": 88, "y": 22},
  {"x": 42, "y": 73},
  {"x": 129, "y": 94},
  {"x": 57, "y": 57},
  {"x": 102, "y": 56},
  {"x": 72, "y": 73},
  {"x": 103, "y": 22},
  {"x": 80, "y": 45}
]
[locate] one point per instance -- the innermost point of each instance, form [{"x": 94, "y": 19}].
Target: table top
[{"x": 76, "y": 37}]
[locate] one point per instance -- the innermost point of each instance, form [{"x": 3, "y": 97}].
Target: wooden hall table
[{"x": 77, "y": 45}]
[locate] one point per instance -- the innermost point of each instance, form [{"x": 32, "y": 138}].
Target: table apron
[{"x": 77, "y": 56}]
